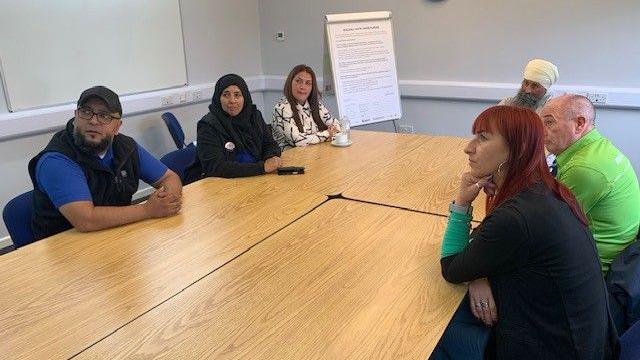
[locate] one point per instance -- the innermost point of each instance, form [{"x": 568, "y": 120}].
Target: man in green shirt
[{"x": 599, "y": 175}]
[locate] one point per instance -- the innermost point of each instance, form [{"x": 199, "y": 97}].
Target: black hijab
[{"x": 242, "y": 128}]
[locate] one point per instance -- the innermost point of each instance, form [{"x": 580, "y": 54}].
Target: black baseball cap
[{"x": 103, "y": 93}]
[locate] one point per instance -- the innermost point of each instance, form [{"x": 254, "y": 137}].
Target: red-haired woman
[
  {"x": 533, "y": 246},
  {"x": 300, "y": 118}
]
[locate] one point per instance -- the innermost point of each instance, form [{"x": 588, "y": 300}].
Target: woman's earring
[{"x": 500, "y": 167}]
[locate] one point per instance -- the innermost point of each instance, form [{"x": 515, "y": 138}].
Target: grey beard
[
  {"x": 90, "y": 148},
  {"x": 522, "y": 99}
]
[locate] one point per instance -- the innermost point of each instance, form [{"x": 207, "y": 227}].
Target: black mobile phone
[{"x": 291, "y": 170}]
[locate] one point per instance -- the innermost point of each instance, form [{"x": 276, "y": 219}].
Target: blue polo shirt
[{"x": 63, "y": 180}]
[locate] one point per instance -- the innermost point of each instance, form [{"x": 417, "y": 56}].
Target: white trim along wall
[
  {"x": 46, "y": 119},
  {"x": 38, "y": 121}
]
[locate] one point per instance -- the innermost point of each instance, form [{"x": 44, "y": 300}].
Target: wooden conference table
[
  {"x": 262, "y": 267},
  {"x": 424, "y": 179},
  {"x": 349, "y": 280},
  {"x": 415, "y": 172}
]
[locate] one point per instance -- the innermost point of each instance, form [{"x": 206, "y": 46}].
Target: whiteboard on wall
[
  {"x": 363, "y": 65},
  {"x": 50, "y": 51}
]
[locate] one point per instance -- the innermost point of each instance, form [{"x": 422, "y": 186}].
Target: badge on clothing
[{"x": 229, "y": 146}]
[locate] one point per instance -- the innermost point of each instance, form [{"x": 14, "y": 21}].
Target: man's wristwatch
[{"x": 460, "y": 209}]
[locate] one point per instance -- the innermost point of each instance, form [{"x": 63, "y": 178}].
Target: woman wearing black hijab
[{"x": 233, "y": 140}]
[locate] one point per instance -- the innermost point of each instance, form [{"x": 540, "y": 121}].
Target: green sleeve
[
  {"x": 456, "y": 236},
  {"x": 587, "y": 185}
]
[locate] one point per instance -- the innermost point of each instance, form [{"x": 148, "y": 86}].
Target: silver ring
[
  {"x": 478, "y": 186},
  {"x": 484, "y": 304}
]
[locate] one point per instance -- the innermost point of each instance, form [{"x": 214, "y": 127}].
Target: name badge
[{"x": 229, "y": 146}]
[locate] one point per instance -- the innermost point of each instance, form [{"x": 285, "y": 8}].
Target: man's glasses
[{"x": 103, "y": 118}]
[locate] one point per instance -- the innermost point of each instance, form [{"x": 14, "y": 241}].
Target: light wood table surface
[
  {"x": 62, "y": 294},
  {"x": 348, "y": 280},
  {"x": 424, "y": 179},
  {"x": 329, "y": 169}
]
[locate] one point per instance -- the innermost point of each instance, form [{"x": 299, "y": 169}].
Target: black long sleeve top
[
  {"x": 545, "y": 277},
  {"x": 216, "y": 156}
]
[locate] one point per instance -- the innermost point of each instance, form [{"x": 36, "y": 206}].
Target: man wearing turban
[{"x": 538, "y": 77}]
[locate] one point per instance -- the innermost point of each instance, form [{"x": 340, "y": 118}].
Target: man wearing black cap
[{"x": 87, "y": 174}]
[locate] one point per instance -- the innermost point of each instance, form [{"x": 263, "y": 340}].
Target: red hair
[{"x": 523, "y": 132}]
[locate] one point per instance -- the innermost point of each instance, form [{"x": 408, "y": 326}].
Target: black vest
[{"x": 108, "y": 187}]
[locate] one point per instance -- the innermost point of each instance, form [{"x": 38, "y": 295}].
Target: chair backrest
[
  {"x": 174, "y": 129},
  {"x": 630, "y": 343},
  {"x": 623, "y": 285},
  {"x": 179, "y": 160},
  {"x": 17, "y": 217}
]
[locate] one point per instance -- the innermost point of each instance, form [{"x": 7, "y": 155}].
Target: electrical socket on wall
[
  {"x": 597, "y": 98},
  {"x": 406, "y": 129},
  {"x": 167, "y": 100}
]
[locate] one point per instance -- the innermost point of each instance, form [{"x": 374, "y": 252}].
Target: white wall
[
  {"x": 481, "y": 45},
  {"x": 220, "y": 37},
  {"x": 592, "y": 42}
]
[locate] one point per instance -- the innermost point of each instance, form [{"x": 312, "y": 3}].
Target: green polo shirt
[{"x": 606, "y": 186}]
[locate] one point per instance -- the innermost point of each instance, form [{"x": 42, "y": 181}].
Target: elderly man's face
[
  {"x": 529, "y": 95},
  {"x": 533, "y": 88},
  {"x": 560, "y": 131}
]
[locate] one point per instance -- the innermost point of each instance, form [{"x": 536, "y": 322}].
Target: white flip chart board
[{"x": 363, "y": 65}]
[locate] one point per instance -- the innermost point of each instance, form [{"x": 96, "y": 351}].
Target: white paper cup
[{"x": 341, "y": 138}]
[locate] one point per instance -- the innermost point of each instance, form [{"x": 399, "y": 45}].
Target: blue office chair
[
  {"x": 174, "y": 129},
  {"x": 630, "y": 343},
  {"x": 17, "y": 217},
  {"x": 179, "y": 160}
]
